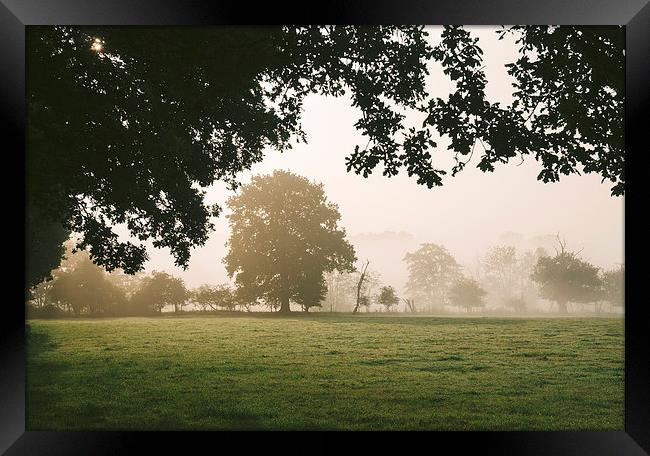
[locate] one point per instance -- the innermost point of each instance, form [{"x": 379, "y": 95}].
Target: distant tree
[
  {"x": 366, "y": 282},
  {"x": 85, "y": 288},
  {"x": 467, "y": 293},
  {"x": 614, "y": 286},
  {"x": 341, "y": 290},
  {"x": 41, "y": 294},
  {"x": 364, "y": 301},
  {"x": 159, "y": 290},
  {"x": 360, "y": 280},
  {"x": 565, "y": 278},
  {"x": 518, "y": 304},
  {"x": 500, "y": 266},
  {"x": 371, "y": 282},
  {"x": 284, "y": 236},
  {"x": 409, "y": 305},
  {"x": 527, "y": 289},
  {"x": 432, "y": 272},
  {"x": 387, "y": 297},
  {"x": 213, "y": 297},
  {"x": 128, "y": 283},
  {"x": 507, "y": 276}
]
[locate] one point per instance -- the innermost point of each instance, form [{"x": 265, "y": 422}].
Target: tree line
[
  {"x": 81, "y": 288},
  {"x": 506, "y": 280},
  {"x": 286, "y": 248}
]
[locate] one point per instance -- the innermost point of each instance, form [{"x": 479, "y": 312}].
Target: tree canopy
[
  {"x": 213, "y": 297},
  {"x": 467, "y": 293},
  {"x": 284, "y": 236},
  {"x": 568, "y": 108},
  {"x": 129, "y": 125},
  {"x": 84, "y": 288},
  {"x": 501, "y": 267},
  {"x": 565, "y": 278},
  {"x": 432, "y": 272},
  {"x": 507, "y": 276},
  {"x": 387, "y": 297},
  {"x": 614, "y": 286},
  {"x": 159, "y": 290}
]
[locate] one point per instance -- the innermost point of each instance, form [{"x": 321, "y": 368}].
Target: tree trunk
[
  {"x": 359, "y": 285},
  {"x": 284, "y": 305}
]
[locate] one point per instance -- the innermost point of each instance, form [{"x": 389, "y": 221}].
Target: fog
[{"x": 387, "y": 217}]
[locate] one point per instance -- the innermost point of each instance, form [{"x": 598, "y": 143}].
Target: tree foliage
[
  {"x": 387, "y": 297},
  {"x": 568, "y": 102},
  {"x": 501, "y": 267},
  {"x": 432, "y": 272},
  {"x": 157, "y": 291},
  {"x": 284, "y": 236},
  {"x": 85, "y": 288},
  {"x": 467, "y": 293},
  {"x": 340, "y": 294},
  {"x": 507, "y": 276},
  {"x": 565, "y": 278},
  {"x": 127, "y": 125},
  {"x": 614, "y": 286},
  {"x": 213, "y": 297},
  {"x": 44, "y": 247}
]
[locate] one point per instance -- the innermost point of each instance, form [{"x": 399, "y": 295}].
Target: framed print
[{"x": 231, "y": 222}]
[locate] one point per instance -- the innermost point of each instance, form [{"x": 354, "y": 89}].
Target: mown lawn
[{"x": 325, "y": 372}]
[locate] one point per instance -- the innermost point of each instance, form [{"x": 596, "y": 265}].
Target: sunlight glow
[{"x": 97, "y": 45}]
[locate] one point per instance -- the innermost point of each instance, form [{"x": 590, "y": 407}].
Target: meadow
[{"x": 325, "y": 371}]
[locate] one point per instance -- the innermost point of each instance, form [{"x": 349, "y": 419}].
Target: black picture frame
[{"x": 634, "y": 14}]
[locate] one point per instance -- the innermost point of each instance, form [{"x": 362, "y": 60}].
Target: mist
[{"x": 292, "y": 294}]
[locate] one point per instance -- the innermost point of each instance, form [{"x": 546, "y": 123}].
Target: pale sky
[{"x": 471, "y": 212}]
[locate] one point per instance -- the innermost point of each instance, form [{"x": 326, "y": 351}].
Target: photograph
[{"x": 325, "y": 227}]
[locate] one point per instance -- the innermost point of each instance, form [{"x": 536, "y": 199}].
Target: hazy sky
[{"x": 468, "y": 214}]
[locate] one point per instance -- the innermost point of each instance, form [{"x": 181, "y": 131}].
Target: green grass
[{"x": 325, "y": 372}]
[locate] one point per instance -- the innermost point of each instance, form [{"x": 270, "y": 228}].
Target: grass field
[{"x": 324, "y": 371}]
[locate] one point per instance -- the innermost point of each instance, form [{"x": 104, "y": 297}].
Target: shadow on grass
[{"x": 38, "y": 342}]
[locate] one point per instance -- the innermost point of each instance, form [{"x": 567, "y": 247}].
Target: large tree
[
  {"x": 284, "y": 236},
  {"x": 129, "y": 125},
  {"x": 432, "y": 272},
  {"x": 565, "y": 278}
]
